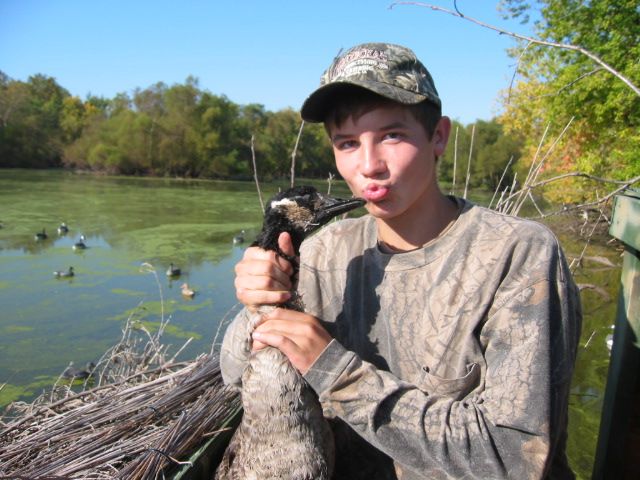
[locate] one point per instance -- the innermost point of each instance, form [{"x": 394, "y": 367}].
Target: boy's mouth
[{"x": 375, "y": 193}]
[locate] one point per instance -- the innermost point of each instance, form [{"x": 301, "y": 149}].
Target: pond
[{"x": 48, "y": 322}]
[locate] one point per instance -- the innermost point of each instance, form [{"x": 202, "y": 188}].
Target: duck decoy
[
  {"x": 41, "y": 236},
  {"x": 72, "y": 373},
  {"x": 64, "y": 273},
  {"x": 238, "y": 239},
  {"x": 63, "y": 229},
  {"x": 80, "y": 245},
  {"x": 186, "y": 291},
  {"x": 173, "y": 271},
  {"x": 280, "y": 411}
]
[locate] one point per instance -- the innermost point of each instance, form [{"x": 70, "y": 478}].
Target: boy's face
[{"x": 386, "y": 157}]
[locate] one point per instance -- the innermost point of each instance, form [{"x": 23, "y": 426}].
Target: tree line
[
  {"x": 185, "y": 131},
  {"x": 562, "y": 107}
]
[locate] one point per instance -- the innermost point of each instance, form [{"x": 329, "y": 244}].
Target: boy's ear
[{"x": 441, "y": 136}]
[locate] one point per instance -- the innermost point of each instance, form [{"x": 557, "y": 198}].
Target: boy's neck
[{"x": 410, "y": 233}]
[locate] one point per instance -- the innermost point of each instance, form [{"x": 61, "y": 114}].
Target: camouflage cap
[{"x": 389, "y": 70}]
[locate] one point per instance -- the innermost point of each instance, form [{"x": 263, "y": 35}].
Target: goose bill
[{"x": 331, "y": 207}]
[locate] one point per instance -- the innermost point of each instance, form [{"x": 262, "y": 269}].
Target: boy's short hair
[
  {"x": 354, "y": 102},
  {"x": 390, "y": 72}
]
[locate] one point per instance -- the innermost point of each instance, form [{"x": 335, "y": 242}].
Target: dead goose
[{"x": 283, "y": 434}]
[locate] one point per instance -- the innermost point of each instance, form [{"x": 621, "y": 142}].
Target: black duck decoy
[
  {"x": 173, "y": 271},
  {"x": 41, "y": 236},
  {"x": 64, "y": 273},
  {"x": 80, "y": 244},
  {"x": 296, "y": 427},
  {"x": 73, "y": 373},
  {"x": 239, "y": 238}
]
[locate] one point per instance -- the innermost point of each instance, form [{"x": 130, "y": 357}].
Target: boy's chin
[{"x": 379, "y": 210}]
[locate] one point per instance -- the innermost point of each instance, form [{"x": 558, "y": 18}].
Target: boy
[{"x": 439, "y": 336}]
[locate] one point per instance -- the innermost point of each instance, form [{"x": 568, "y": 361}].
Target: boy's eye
[
  {"x": 345, "y": 144},
  {"x": 392, "y": 136}
]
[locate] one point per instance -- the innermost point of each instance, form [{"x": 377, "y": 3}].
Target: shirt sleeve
[{"x": 508, "y": 427}]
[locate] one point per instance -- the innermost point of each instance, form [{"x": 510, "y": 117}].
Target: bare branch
[
  {"x": 504, "y": 172},
  {"x": 570, "y": 84},
  {"x": 455, "y": 161},
  {"x": 596, "y": 203},
  {"x": 515, "y": 71},
  {"x": 330, "y": 182},
  {"x": 537, "y": 41},
  {"x": 293, "y": 155},
  {"x": 538, "y": 169},
  {"x": 255, "y": 172},
  {"x": 578, "y": 261},
  {"x": 535, "y": 171},
  {"x": 626, "y": 183},
  {"x": 466, "y": 183}
]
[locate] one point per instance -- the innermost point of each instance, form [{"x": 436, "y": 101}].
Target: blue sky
[{"x": 267, "y": 52}]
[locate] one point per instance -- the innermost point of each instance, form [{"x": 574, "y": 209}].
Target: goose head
[{"x": 300, "y": 211}]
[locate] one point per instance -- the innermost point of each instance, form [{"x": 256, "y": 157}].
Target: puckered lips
[{"x": 374, "y": 192}]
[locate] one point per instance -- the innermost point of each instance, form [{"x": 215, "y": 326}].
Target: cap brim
[{"x": 316, "y": 106}]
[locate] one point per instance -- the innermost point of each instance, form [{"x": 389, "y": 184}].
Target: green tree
[
  {"x": 493, "y": 156},
  {"x": 31, "y": 135},
  {"x": 252, "y": 120},
  {"x": 276, "y": 143},
  {"x": 179, "y": 130},
  {"x": 315, "y": 155},
  {"x": 558, "y": 85},
  {"x": 221, "y": 153}
]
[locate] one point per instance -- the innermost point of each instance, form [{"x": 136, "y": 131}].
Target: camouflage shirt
[{"x": 450, "y": 361}]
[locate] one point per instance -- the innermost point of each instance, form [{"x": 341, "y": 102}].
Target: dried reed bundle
[
  {"x": 125, "y": 430},
  {"x": 137, "y": 427},
  {"x": 143, "y": 417}
]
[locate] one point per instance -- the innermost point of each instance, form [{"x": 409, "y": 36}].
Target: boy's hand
[
  {"x": 263, "y": 277},
  {"x": 298, "y": 335}
]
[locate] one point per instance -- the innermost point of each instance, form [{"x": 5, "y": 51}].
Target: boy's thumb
[{"x": 285, "y": 244}]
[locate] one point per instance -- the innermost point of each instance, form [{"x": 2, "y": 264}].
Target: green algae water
[{"x": 47, "y": 322}]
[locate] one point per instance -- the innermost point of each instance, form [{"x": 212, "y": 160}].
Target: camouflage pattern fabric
[
  {"x": 454, "y": 360},
  {"x": 392, "y": 71}
]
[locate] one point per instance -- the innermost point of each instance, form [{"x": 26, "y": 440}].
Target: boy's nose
[{"x": 372, "y": 162}]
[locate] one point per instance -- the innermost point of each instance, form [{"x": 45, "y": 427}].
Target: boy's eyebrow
[
  {"x": 392, "y": 126},
  {"x": 337, "y": 137}
]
